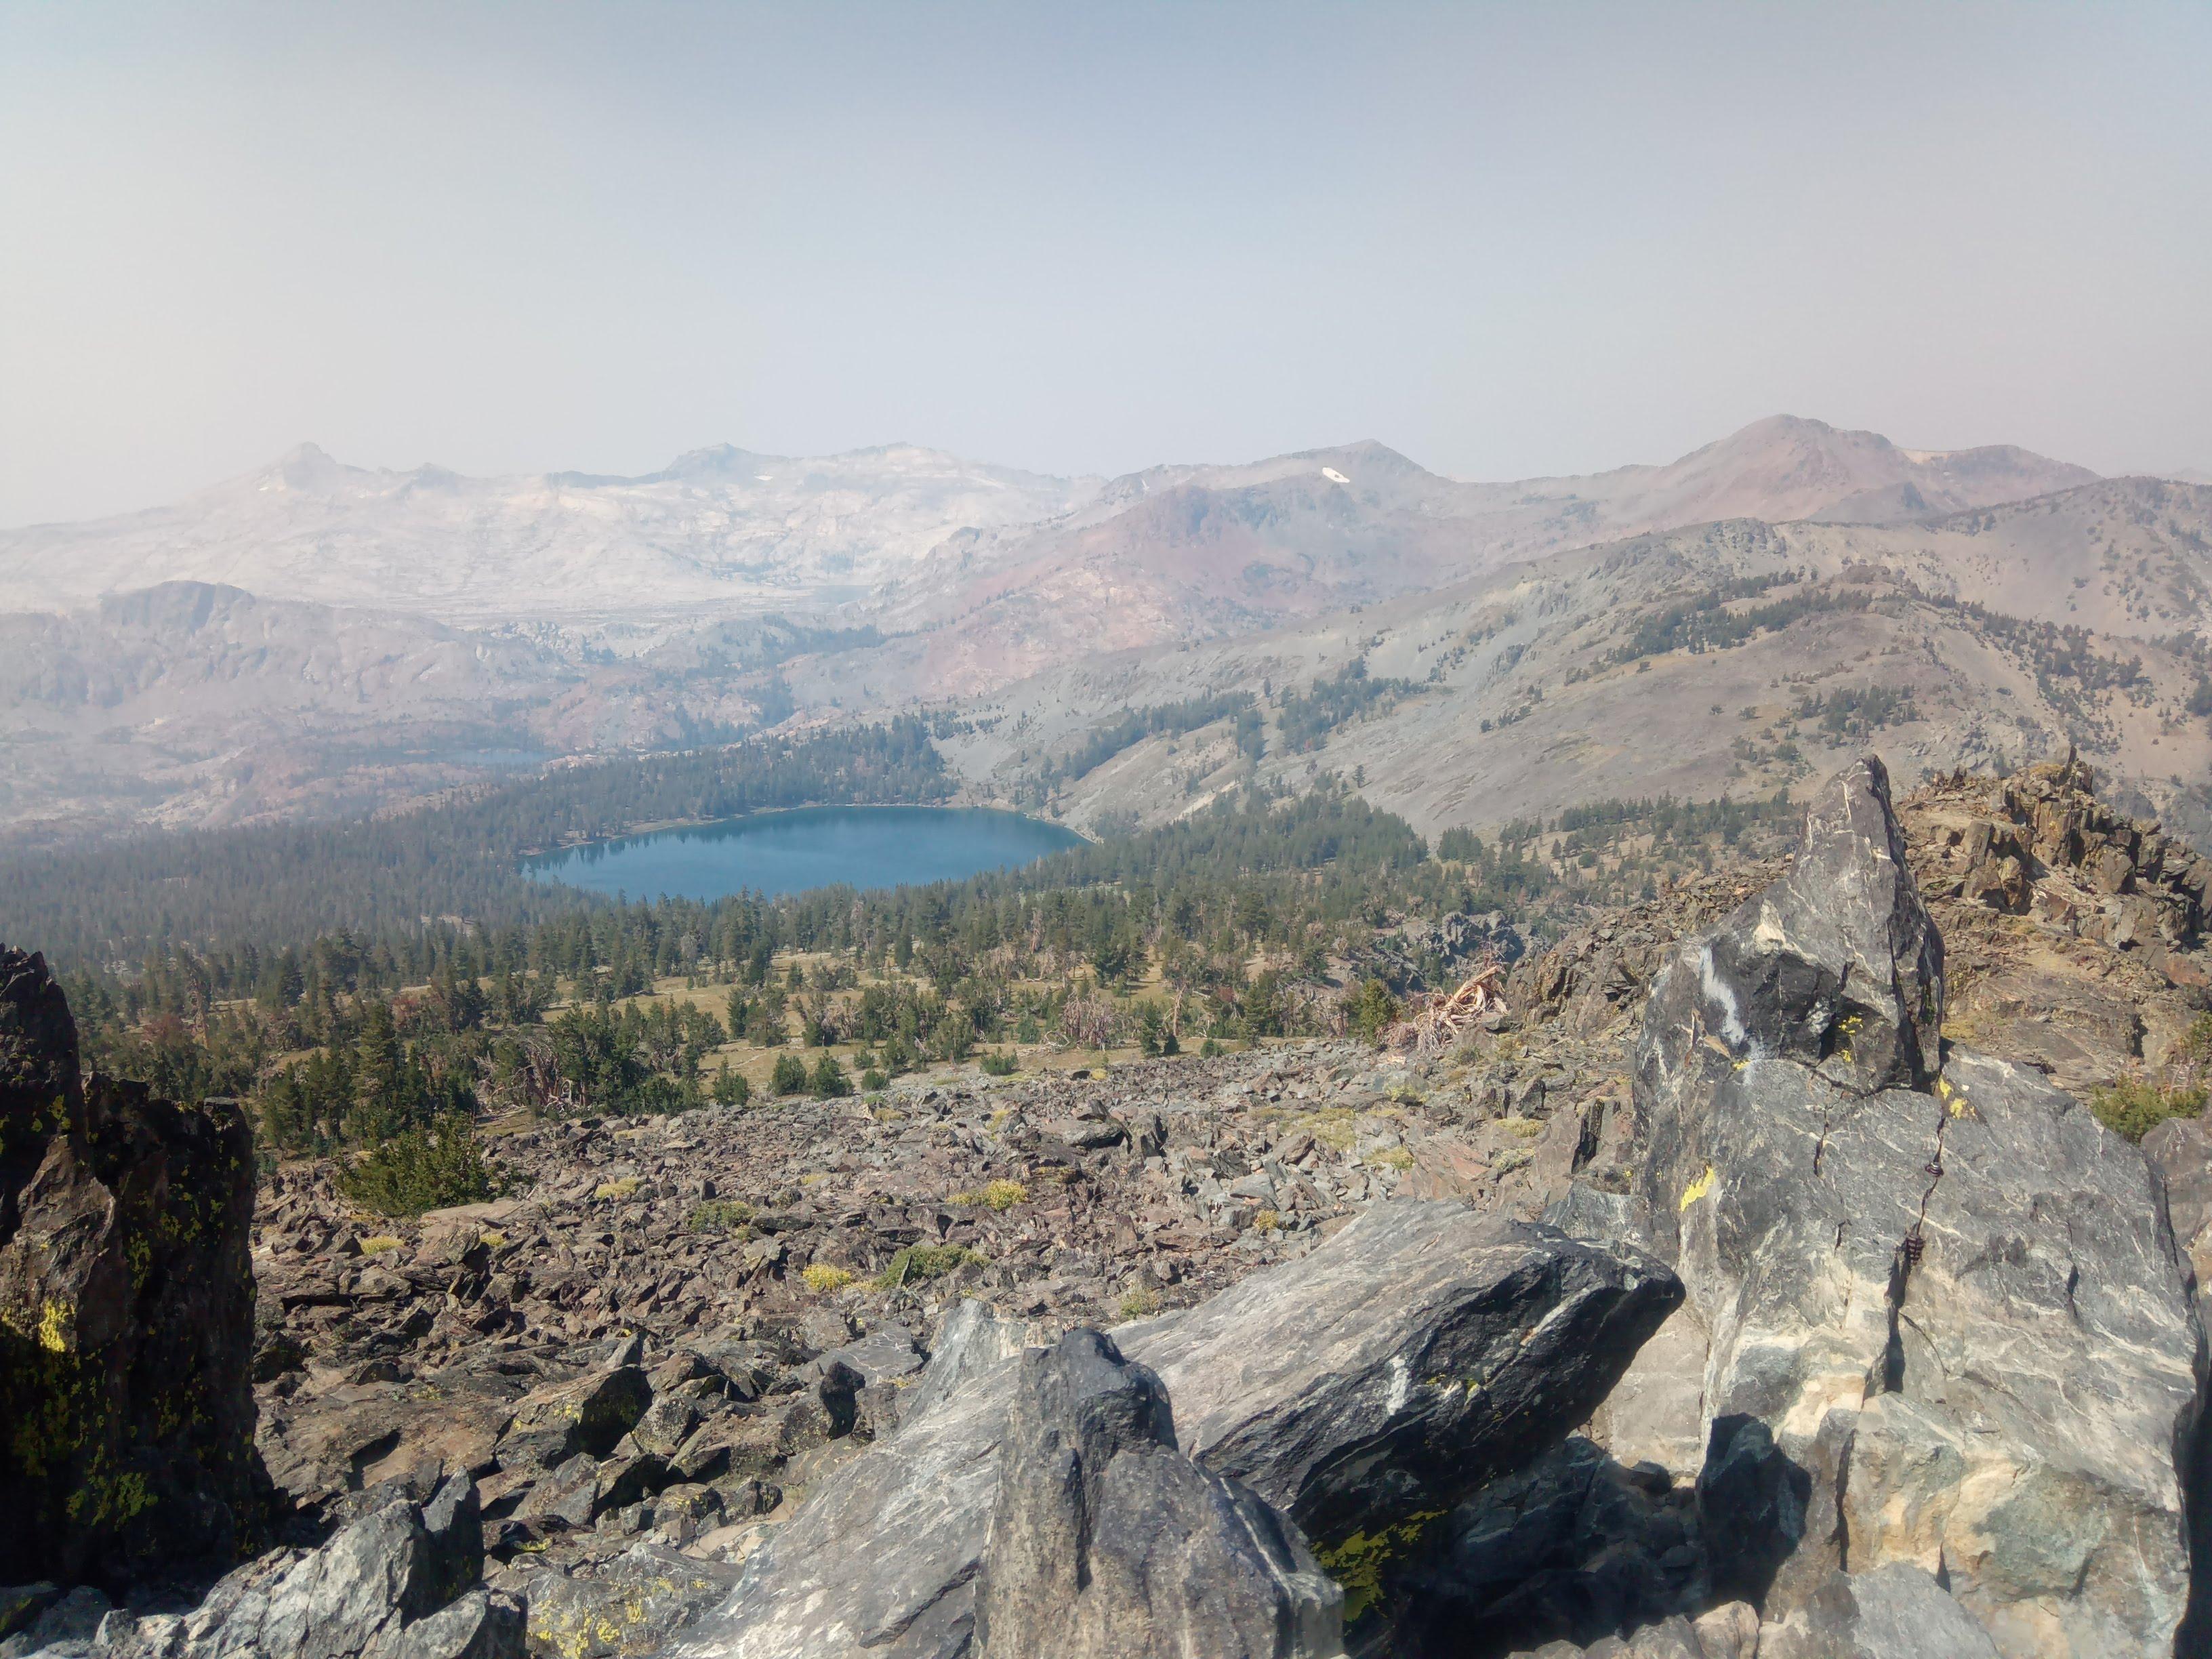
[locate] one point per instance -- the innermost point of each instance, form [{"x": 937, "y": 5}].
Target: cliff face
[{"x": 126, "y": 1310}]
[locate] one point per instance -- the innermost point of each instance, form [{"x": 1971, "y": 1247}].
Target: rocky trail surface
[{"x": 1753, "y": 1280}]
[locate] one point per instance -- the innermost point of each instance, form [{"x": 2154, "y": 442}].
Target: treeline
[
  {"x": 1671, "y": 821},
  {"x": 1706, "y": 624},
  {"x": 387, "y": 1042},
  {"x": 1135, "y": 725},
  {"x": 1307, "y": 719},
  {"x": 1258, "y": 868},
  {"x": 387, "y": 878},
  {"x": 2052, "y": 651},
  {"x": 1853, "y": 711}
]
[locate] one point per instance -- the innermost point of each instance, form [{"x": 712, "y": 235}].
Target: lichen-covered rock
[
  {"x": 633, "y": 1606},
  {"x": 126, "y": 1311},
  {"x": 1948, "y": 1324},
  {"x": 1107, "y": 1543},
  {"x": 590, "y": 1414}
]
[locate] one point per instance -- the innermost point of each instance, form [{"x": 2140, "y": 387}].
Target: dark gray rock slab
[
  {"x": 67, "y": 1622},
  {"x": 1426, "y": 1349},
  {"x": 886, "y": 1355},
  {"x": 1106, "y": 1542},
  {"x": 400, "y": 1582},
  {"x": 1422, "y": 1350},
  {"x": 20, "y": 1603}
]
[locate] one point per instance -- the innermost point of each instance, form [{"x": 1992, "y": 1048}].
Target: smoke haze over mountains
[{"x": 1087, "y": 242}]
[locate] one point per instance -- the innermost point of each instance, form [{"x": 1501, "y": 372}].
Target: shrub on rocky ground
[
  {"x": 718, "y": 1215},
  {"x": 918, "y": 1263},
  {"x": 1370, "y": 1010},
  {"x": 2132, "y": 1107},
  {"x": 1000, "y": 1195},
  {"x": 423, "y": 1169}
]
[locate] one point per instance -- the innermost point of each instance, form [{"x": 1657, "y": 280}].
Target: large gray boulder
[
  {"x": 1107, "y": 1543},
  {"x": 1362, "y": 1389},
  {"x": 400, "y": 1582},
  {"x": 973, "y": 1339},
  {"x": 1896, "y": 1612},
  {"x": 1426, "y": 1349},
  {"x": 1945, "y": 1321}
]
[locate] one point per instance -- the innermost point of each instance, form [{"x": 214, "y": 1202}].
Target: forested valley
[{"x": 395, "y": 987}]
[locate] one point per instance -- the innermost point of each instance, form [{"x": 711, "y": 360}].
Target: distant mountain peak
[
  {"x": 715, "y": 460},
  {"x": 1792, "y": 425},
  {"x": 1367, "y": 452},
  {"x": 306, "y": 466}
]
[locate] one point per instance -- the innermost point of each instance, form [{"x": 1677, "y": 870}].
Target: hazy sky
[{"x": 1505, "y": 239}]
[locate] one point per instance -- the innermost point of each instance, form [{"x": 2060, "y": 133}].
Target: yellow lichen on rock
[{"x": 1697, "y": 1188}]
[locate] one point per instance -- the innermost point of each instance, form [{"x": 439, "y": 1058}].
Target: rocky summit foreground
[
  {"x": 1715, "y": 1299},
  {"x": 1935, "y": 1387},
  {"x": 1937, "y": 1321}
]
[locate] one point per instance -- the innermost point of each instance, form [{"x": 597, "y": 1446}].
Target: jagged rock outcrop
[
  {"x": 1362, "y": 1389},
  {"x": 400, "y": 1582},
  {"x": 2136, "y": 886},
  {"x": 1943, "y": 1316},
  {"x": 1107, "y": 1543},
  {"x": 126, "y": 1311},
  {"x": 2082, "y": 928}
]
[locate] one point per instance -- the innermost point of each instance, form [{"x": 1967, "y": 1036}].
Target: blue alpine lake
[{"x": 790, "y": 852}]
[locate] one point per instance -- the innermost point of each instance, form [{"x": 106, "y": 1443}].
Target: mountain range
[
  {"x": 318, "y": 637},
  {"x": 930, "y": 535}
]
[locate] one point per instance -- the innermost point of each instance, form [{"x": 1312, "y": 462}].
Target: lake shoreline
[
  {"x": 662, "y": 826},
  {"x": 783, "y": 851}
]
